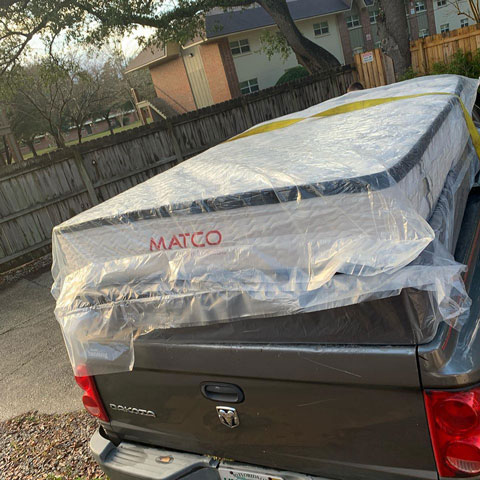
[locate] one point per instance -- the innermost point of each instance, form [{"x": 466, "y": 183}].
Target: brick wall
[
  {"x": 229, "y": 67},
  {"x": 171, "y": 84},
  {"x": 367, "y": 28},
  {"x": 412, "y": 20},
  {"x": 345, "y": 38},
  {"x": 432, "y": 29},
  {"x": 215, "y": 72}
]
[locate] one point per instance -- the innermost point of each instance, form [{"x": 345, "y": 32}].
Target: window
[
  {"x": 373, "y": 16},
  {"x": 249, "y": 86},
  {"x": 320, "y": 28},
  {"x": 464, "y": 22},
  {"x": 441, "y": 3},
  {"x": 420, "y": 6},
  {"x": 353, "y": 21},
  {"x": 239, "y": 46},
  {"x": 445, "y": 28},
  {"x": 423, "y": 33}
]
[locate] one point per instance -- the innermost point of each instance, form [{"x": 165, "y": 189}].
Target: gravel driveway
[
  {"x": 35, "y": 373},
  {"x": 39, "y": 438}
]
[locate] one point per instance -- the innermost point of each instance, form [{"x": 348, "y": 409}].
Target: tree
[
  {"x": 96, "y": 21},
  {"x": 393, "y": 30},
  {"x": 86, "y": 94},
  {"x": 473, "y": 12},
  {"x": 44, "y": 90},
  {"x": 25, "y": 121}
]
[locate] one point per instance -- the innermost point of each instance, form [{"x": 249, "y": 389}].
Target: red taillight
[
  {"x": 91, "y": 399},
  {"x": 453, "y": 419},
  {"x": 464, "y": 457}
]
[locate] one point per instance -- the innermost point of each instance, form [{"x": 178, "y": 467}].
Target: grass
[{"x": 86, "y": 139}]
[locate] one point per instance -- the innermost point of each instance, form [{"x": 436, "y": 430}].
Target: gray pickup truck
[
  {"x": 289, "y": 305},
  {"x": 302, "y": 407}
]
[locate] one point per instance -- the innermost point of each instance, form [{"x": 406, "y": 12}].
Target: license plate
[{"x": 235, "y": 474}]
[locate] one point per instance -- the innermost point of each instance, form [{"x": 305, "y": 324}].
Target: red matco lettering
[{"x": 186, "y": 240}]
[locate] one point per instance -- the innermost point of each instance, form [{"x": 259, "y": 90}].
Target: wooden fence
[
  {"x": 374, "y": 68},
  {"x": 440, "y": 48},
  {"x": 40, "y": 193}
]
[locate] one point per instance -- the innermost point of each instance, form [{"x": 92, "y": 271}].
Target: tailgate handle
[{"x": 222, "y": 392}]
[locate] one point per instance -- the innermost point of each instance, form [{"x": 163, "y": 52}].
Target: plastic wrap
[{"x": 323, "y": 213}]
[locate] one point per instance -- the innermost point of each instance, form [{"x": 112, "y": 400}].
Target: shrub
[
  {"x": 293, "y": 74},
  {"x": 461, "y": 63},
  {"x": 408, "y": 75}
]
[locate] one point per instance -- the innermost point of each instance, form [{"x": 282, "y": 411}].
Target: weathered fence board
[
  {"x": 374, "y": 69},
  {"x": 40, "y": 193}
]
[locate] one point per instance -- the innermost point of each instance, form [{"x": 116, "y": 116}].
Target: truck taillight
[
  {"x": 453, "y": 420},
  {"x": 91, "y": 399}
]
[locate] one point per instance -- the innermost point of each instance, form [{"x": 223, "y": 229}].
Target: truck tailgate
[{"x": 332, "y": 411}]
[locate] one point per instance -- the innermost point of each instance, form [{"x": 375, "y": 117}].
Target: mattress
[{"x": 273, "y": 223}]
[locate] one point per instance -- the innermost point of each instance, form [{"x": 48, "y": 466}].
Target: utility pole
[{"x": 6, "y": 132}]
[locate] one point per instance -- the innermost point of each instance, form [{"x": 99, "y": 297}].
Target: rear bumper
[{"x": 132, "y": 461}]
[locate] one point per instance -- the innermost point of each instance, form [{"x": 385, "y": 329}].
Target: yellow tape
[
  {"x": 361, "y": 105},
  {"x": 267, "y": 128}
]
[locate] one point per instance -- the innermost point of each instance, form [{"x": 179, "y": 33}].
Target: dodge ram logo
[{"x": 228, "y": 416}]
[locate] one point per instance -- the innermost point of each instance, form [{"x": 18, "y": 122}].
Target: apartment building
[{"x": 229, "y": 61}]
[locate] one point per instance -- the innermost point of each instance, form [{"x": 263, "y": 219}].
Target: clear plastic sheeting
[{"x": 323, "y": 213}]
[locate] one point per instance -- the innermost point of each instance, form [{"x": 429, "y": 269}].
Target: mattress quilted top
[{"x": 350, "y": 145}]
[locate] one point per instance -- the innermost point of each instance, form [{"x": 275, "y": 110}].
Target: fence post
[
  {"x": 246, "y": 111},
  {"x": 173, "y": 138},
  {"x": 86, "y": 179},
  {"x": 291, "y": 89}
]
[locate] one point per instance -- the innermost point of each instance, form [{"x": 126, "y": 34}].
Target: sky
[{"x": 129, "y": 45}]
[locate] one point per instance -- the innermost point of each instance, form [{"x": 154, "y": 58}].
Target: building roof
[
  {"x": 145, "y": 58},
  {"x": 152, "y": 55},
  {"x": 227, "y": 23},
  {"x": 239, "y": 20}
]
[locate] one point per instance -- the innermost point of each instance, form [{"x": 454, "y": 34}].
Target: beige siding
[
  {"x": 448, "y": 14},
  {"x": 196, "y": 75},
  {"x": 255, "y": 64}
]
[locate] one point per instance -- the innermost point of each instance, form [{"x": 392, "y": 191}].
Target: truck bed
[{"x": 334, "y": 411}]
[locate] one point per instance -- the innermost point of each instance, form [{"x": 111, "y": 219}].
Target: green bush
[
  {"x": 293, "y": 74},
  {"x": 408, "y": 75},
  {"x": 461, "y": 63}
]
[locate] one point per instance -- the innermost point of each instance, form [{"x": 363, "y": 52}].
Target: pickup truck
[
  {"x": 234, "y": 402},
  {"x": 372, "y": 389}
]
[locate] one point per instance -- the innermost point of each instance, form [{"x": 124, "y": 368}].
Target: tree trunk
[
  {"x": 313, "y": 57},
  {"x": 393, "y": 30},
  {"x": 109, "y": 124},
  {"x": 58, "y": 137},
  {"x": 8, "y": 155},
  {"x": 31, "y": 146},
  {"x": 79, "y": 134}
]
